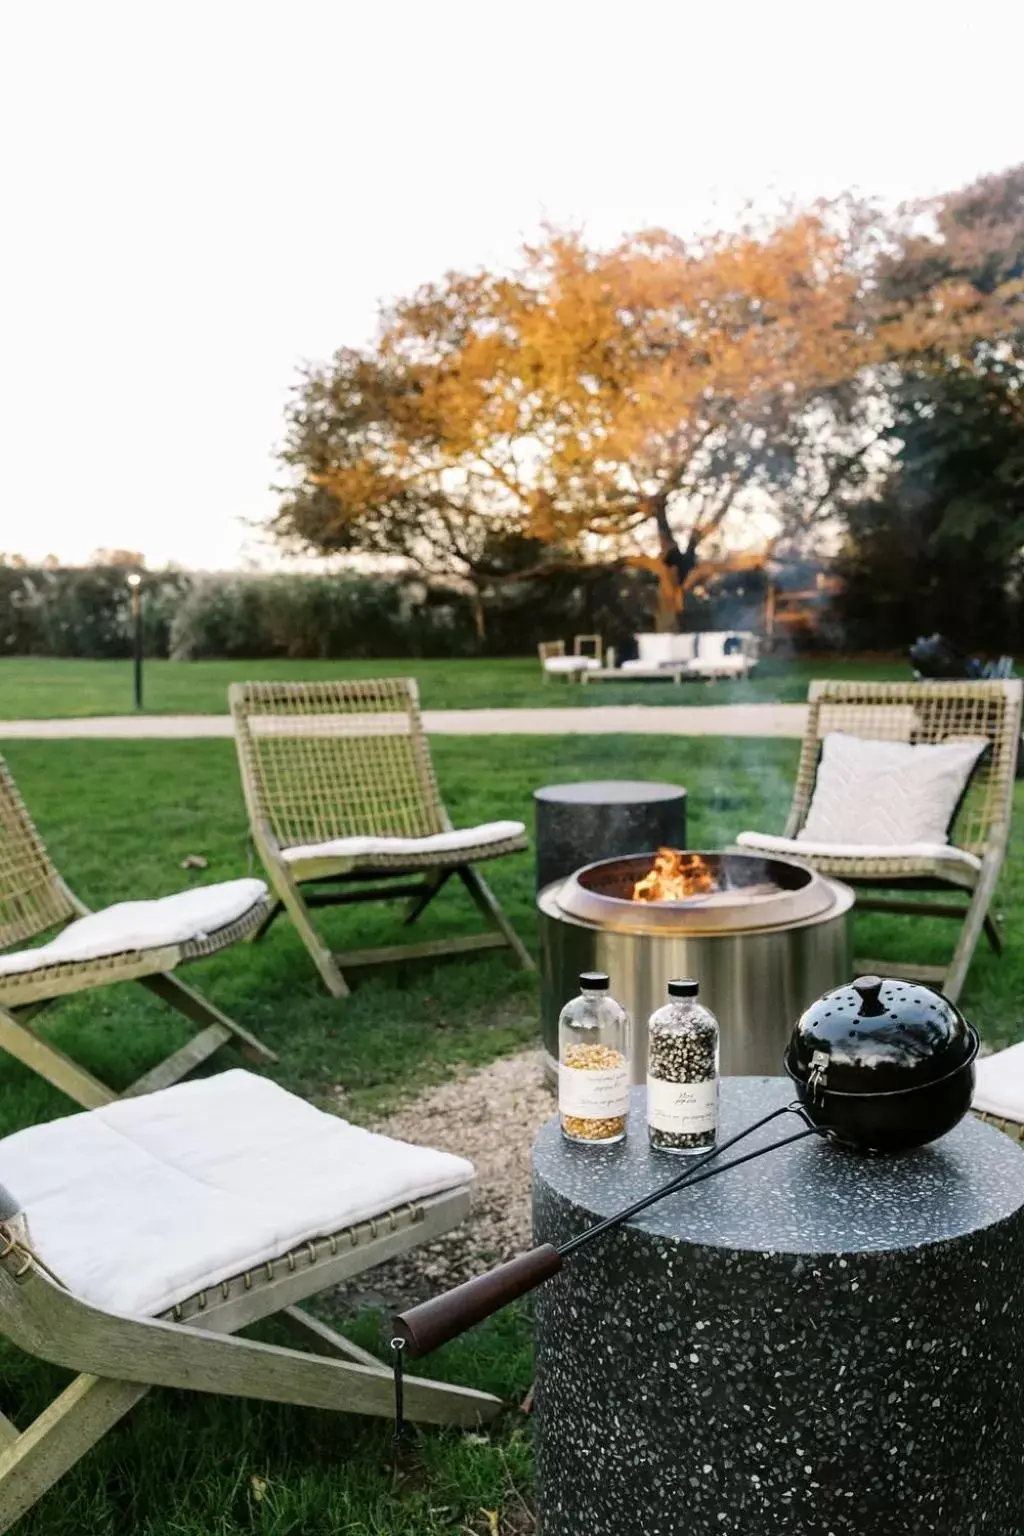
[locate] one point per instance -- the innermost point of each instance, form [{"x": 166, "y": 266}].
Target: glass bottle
[
  {"x": 593, "y": 1064},
  {"x": 682, "y": 1072}
]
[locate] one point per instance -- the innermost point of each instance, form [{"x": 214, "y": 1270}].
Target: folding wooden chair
[
  {"x": 342, "y": 798},
  {"x": 184, "y": 1217},
  {"x": 926, "y": 712},
  {"x": 136, "y": 941}
]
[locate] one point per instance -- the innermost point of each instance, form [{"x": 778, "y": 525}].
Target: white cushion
[
  {"x": 887, "y": 793},
  {"x": 798, "y": 848},
  {"x": 437, "y": 842},
  {"x": 135, "y": 925},
  {"x": 662, "y": 650},
  {"x": 1000, "y": 1084},
  {"x": 571, "y": 664},
  {"x": 144, "y": 1202}
]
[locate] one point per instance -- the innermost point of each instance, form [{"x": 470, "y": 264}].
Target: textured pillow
[{"x": 888, "y": 792}]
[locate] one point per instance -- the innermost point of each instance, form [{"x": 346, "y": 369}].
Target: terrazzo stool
[
  {"x": 577, "y": 824},
  {"x": 817, "y": 1342}
]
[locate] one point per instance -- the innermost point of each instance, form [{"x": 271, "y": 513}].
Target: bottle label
[
  {"x": 593, "y": 1095},
  {"x": 688, "y": 1109}
]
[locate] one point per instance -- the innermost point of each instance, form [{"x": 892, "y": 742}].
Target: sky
[{"x": 197, "y": 197}]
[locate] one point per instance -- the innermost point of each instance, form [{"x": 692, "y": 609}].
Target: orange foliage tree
[{"x": 639, "y": 405}]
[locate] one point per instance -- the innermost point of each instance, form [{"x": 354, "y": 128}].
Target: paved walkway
[{"x": 633, "y": 719}]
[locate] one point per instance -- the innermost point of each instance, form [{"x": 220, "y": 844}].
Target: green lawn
[
  {"x": 40, "y": 687},
  {"x": 119, "y": 818}
]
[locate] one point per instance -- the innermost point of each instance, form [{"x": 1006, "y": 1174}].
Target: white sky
[{"x": 196, "y": 196}]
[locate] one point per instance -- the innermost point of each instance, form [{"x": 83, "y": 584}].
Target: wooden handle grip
[{"x": 444, "y": 1317}]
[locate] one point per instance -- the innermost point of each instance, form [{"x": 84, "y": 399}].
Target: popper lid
[{"x": 879, "y": 1036}]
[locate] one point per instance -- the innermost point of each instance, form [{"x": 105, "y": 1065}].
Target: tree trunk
[
  {"x": 674, "y": 566},
  {"x": 479, "y": 617}
]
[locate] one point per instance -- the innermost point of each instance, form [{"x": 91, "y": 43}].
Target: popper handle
[{"x": 444, "y": 1317}]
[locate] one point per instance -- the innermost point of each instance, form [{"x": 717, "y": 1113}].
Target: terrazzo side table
[
  {"x": 817, "y": 1343},
  {"x": 578, "y": 824}
]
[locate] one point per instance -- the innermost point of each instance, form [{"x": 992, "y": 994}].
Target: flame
[{"x": 675, "y": 876}]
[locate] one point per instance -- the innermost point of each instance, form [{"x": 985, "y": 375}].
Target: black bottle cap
[
  {"x": 683, "y": 986},
  {"x": 595, "y": 981}
]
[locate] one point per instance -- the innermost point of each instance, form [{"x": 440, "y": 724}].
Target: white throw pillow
[{"x": 887, "y": 792}]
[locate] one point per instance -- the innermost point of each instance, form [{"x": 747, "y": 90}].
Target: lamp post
[{"x": 135, "y": 583}]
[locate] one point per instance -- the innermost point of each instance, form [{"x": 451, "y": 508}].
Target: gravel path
[
  {"x": 490, "y": 1116},
  {"x": 630, "y": 719}
]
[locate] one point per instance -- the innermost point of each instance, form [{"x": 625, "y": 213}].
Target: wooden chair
[
  {"x": 928, "y": 712},
  {"x": 343, "y": 799},
  {"x": 34, "y": 899},
  {"x": 589, "y": 646},
  {"x": 86, "y": 1300},
  {"x": 555, "y": 663}
]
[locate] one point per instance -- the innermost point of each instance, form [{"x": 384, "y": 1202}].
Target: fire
[{"x": 675, "y": 876}]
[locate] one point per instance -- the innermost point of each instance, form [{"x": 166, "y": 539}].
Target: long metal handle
[{"x": 425, "y": 1327}]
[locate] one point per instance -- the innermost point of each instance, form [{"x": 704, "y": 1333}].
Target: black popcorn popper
[{"x": 879, "y": 1066}]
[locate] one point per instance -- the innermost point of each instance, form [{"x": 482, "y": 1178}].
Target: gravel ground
[{"x": 490, "y": 1116}]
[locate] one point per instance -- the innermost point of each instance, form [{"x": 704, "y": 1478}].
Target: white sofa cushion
[
  {"x": 665, "y": 650},
  {"x": 802, "y": 848},
  {"x": 491, "y": 832},
  {"x": 146, "y": 1201},
  {"x": 1000, "y": 1084},
  {"x": 137, "y": 925},
  {"x": 887, "y": 793}
]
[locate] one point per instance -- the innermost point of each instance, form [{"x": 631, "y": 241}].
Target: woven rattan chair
[
  {"x": 95, "y": 1300},
  {"x": 343, "y": 800},
  {"x": 34, "y": 899},
  {"x": 927, "y": 713}
]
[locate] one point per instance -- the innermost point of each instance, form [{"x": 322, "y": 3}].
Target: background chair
[
  {"x": 342, "y": 798},
  {"x": 133, "y": 941},
  {"x": 555, "y": 663},
  {"x": 588, "y": 646},
  {"x": 183, "y": 1217},
  {"x": 925, "y": 713}
]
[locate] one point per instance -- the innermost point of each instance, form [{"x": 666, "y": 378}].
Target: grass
[
  {"x": 42, "y": 687},
  {"x": 119, "y": 818}
]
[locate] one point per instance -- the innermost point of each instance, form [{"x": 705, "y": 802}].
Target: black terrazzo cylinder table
[
  {"x": 818, "y": 1342},
  {"x": 577, "y": 824}
]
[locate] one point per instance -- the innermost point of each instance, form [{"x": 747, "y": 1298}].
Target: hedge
[{"x": 188, "y": 616}]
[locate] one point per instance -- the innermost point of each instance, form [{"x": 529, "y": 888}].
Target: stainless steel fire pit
[{"x": 765, "y": 937}]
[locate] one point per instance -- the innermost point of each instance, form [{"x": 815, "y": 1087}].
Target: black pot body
[{"x": 891, "y": 1122}]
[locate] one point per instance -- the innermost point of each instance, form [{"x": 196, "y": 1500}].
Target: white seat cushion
[
  {"x": 887, "y": 792},
  {"x": 799, "y": 848},
  {"x": 1000, "y": 1084},
  {"x": 491, "y": 832},
  {"x": 572, "y": 664},
  {"x": 137, "y": 925},
  {"x": 146, "y": 1201}
]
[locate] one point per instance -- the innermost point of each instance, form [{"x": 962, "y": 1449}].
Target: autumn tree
[
  {"x": 645, "y": 406},
  {"x": 939, "y": 544}
]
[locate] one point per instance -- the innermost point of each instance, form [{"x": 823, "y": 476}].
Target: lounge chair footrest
[
  {"x": 424, "y": 951},
  {"x": 933, "y": 975}
]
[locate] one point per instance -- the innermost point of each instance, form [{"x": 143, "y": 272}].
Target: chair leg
[
  {"x": 420, "y": 903},
  {"x": 199, "y": 1010},
  {"x": 59, "y": 1437},
  {"x": 274, "y": 911},
  {"x": 971, "y": 931},
  {"x": 487, "y": 902},
  {"x": 58, "y": 1069},
  {"x": 993, "y": 935},
  {"x": 288, "y": 893}
]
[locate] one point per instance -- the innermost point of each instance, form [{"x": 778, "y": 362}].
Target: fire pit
[{"x": 764, "y": 935}]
